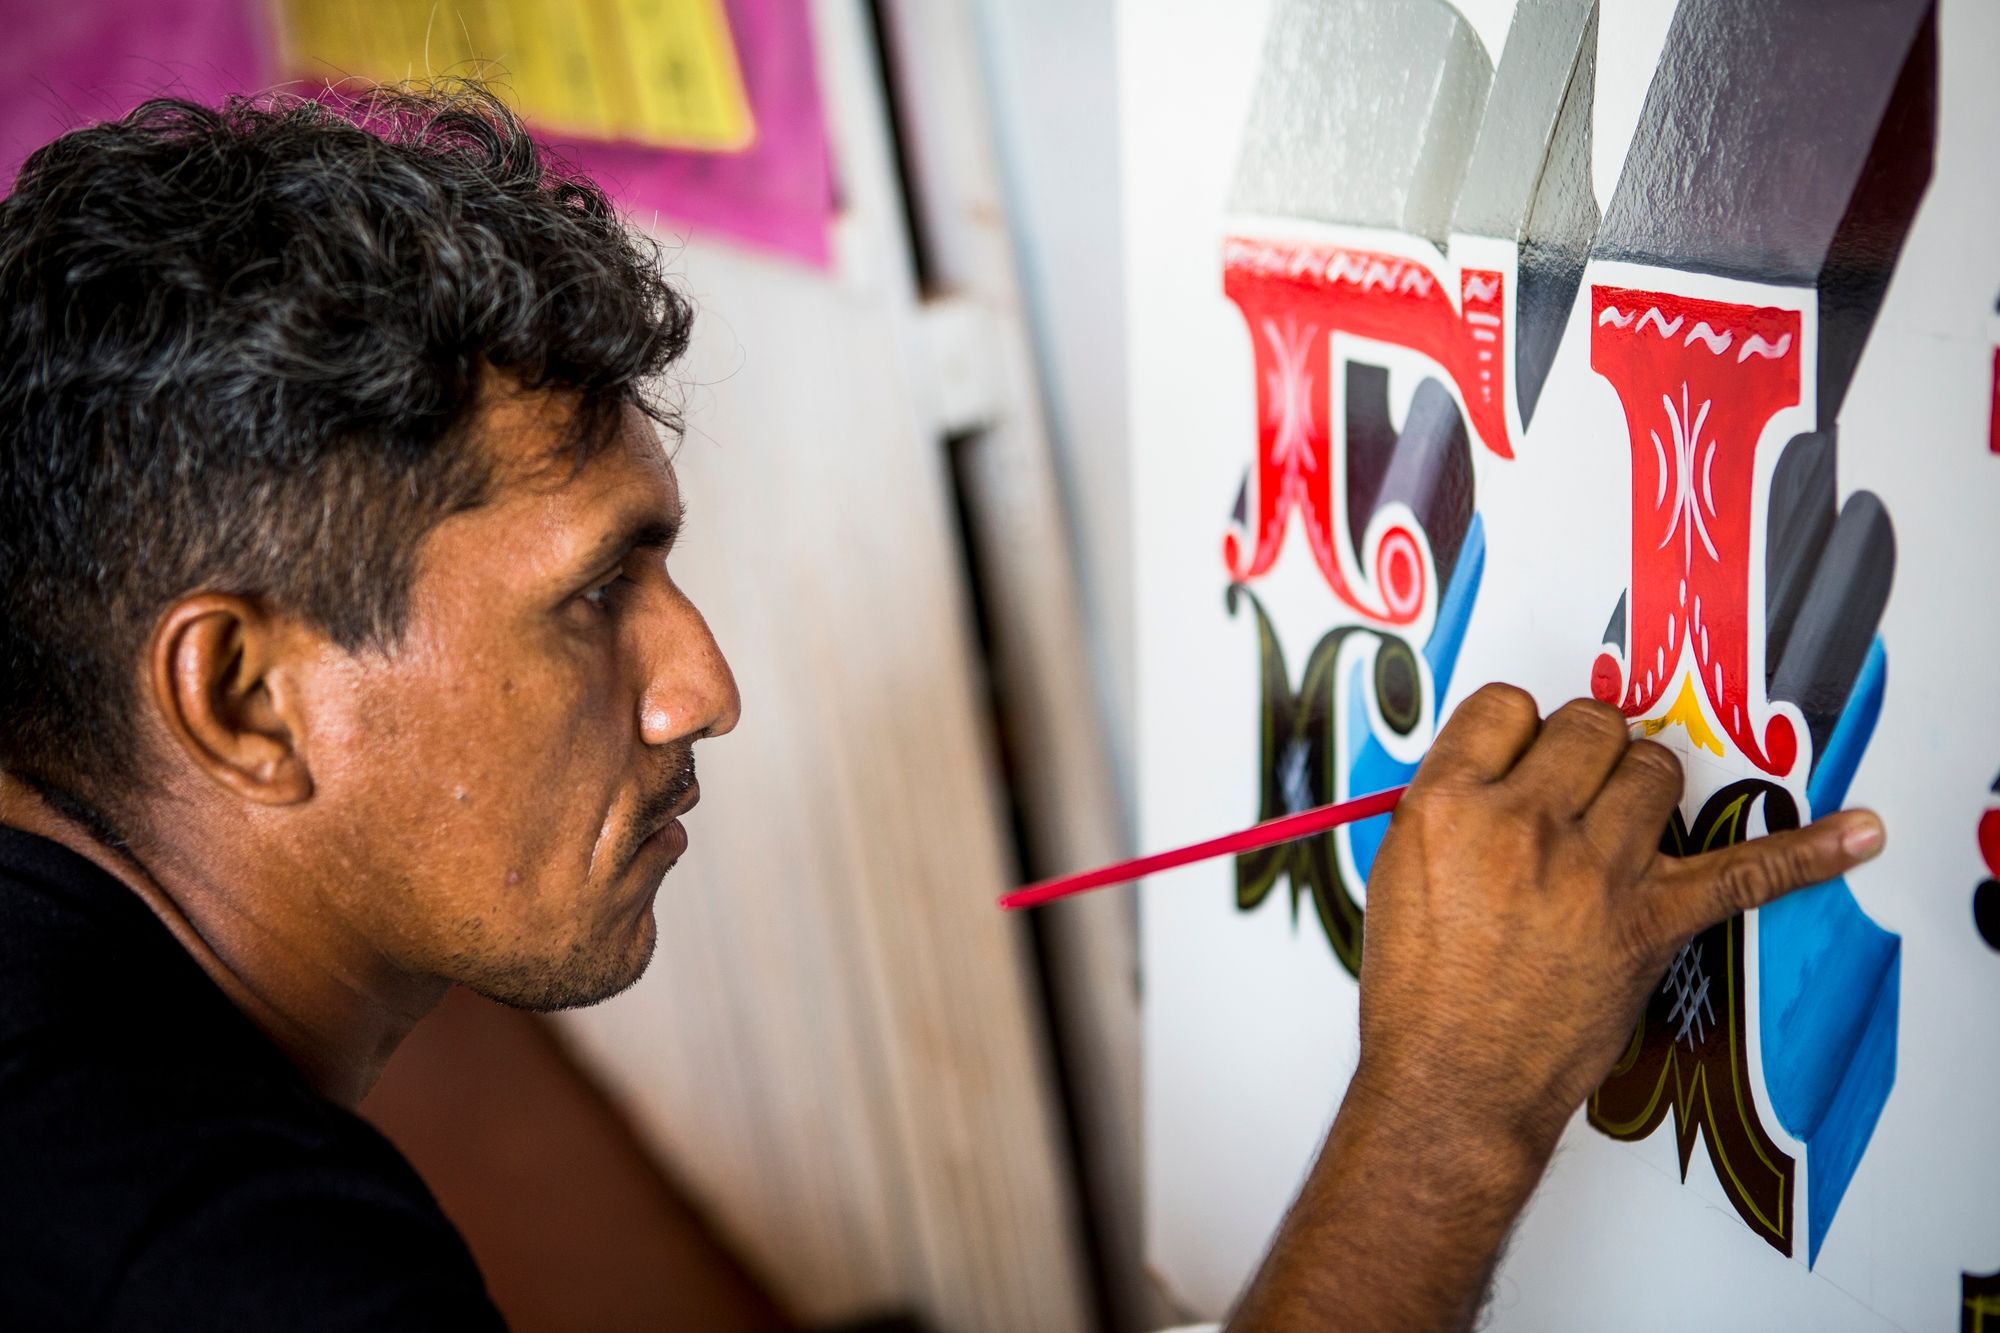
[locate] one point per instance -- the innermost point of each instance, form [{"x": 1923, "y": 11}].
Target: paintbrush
[{"x": 1282, "y": 829}]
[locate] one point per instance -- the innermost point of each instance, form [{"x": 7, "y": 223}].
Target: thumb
[{"x": 1699, "y": 891}]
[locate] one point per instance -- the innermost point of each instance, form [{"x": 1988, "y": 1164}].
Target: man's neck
[{"x": 330, "y": 1002}]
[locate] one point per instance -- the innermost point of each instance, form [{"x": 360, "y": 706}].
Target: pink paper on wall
[
  {"x": 778, "y": 193},
  {"x": 70, "y": 64}
]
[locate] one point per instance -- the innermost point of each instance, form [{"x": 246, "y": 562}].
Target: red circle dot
[
  {"x": 1400, "y": 570},
  {"x": 1781, "y": 745},
  {"x": 1605, "y": 682}
]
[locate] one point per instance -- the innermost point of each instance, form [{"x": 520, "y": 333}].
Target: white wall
[
  {"x": 1249, "y": 1019},
  {"x": 1051, "y": 70}
]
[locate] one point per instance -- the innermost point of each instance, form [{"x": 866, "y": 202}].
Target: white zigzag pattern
[
  {"x": 1367, "y": 272},
  {"x": 1715, "y": 341},
  {"x": 1653, "y": 316},
  {"x": 1718, "y": 343},
  {"x": 1756, "y": 346}
]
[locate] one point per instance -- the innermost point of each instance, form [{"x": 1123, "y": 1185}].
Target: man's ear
[{"x": 217, "y": 672}]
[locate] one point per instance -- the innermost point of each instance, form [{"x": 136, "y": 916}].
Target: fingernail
[{"x": 1863, "y": 838}]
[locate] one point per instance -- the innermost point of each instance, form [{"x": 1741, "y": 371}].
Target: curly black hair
[{"x": 239, "y": 351}]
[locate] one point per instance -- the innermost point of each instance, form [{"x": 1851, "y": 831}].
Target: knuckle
[
  {"x": 1434, "y": 809},
  {"x": 1508, "y": 703},
  {"x": 1743, "y": 883},
  {"x": 1417, "y": 802},
  {"x": 1796, "y": 866},
  {"x": 1443, "y": 815},
  {"x": 1593, "y": 716},
  {"x": 1754, "y": 875},
  {"x": 1418, "y": 807},
  {"x": 1656, "y": 763}
]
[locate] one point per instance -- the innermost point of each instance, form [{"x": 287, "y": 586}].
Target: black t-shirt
[{"x": 162, "y": 1166}]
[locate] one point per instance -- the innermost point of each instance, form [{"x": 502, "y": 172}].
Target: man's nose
[{"x": 692, "y": 692}]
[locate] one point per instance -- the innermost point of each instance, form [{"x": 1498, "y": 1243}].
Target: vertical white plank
[
  {"x": 1035, "y": 607},
  {"x": 839, "y": 1045}
]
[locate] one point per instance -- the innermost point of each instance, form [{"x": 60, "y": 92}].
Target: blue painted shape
[
  {"x": 1372, "y": 770},
  {"x": 1828, "y": 984},
  {"x": 1370, "y": 766},
  {"x": 1834, "y": 1151},
  {"x": 1455, "y": 609},
  {"x": 1833, "y": 771}
]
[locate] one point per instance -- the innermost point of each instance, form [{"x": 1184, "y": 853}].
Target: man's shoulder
[
  {"x": 141, "y": 1189},
  {"x": 288, "y": 1224},
  {"x": 163, "y": 1167}
]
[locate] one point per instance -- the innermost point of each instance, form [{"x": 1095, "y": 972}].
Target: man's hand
[
  {"x": 1521, "y": 911},
  {"x": 1519, "y": 915}
]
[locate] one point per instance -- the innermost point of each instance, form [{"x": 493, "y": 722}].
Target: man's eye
[{"x": 606, "y": 593}]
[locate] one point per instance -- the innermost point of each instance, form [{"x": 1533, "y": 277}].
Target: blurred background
[{"x": 849, "y": 1093}]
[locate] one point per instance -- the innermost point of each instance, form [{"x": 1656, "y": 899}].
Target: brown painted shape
[
  {"x": 1980, "y": 1312},
  {"x": 1689, "y": 1052},
  {"x": 1297, "y": 750}
]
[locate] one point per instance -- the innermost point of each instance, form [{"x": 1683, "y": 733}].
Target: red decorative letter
[
  {"x": 1699, "y": 381},
  {"x": 1294, "y": 296}
]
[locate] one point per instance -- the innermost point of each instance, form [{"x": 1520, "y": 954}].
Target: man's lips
[{"x": 671, "y": 836}]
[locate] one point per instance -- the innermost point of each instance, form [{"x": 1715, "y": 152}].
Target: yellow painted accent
[
  {"x": 1687, "y": 712},
  {"x": 660, "y": 73}
]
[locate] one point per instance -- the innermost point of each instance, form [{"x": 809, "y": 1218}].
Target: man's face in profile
[{"x": 503, "y": 787}]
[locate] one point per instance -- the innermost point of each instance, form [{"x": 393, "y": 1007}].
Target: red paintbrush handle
[{"x": 1283, "y": 829}]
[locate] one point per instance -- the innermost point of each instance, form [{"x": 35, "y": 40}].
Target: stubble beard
[{"x": 589, "y": 972}]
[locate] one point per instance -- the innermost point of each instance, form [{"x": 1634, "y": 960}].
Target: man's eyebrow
[{"x": 656, "y": 531}]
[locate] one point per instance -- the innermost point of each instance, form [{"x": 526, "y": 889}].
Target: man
[{"x": 344, "y": 665}]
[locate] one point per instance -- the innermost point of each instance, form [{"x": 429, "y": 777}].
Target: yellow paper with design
[{"x": 662, "y": 73}]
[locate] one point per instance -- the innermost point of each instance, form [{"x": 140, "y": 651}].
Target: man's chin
[{"x": 581, "y": 978}]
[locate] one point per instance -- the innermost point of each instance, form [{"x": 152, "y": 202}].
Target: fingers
[
  {"x": 1580, "y": 745},
  {"x": 1698, "y": 891},
  {"x": 1483, "y": 738},
  {"x": 1631, "y": 809}
]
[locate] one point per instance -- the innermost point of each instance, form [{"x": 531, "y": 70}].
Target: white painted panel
[{"x": 1249, "y": 1018}]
